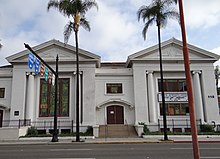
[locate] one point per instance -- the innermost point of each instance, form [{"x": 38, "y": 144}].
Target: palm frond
[
  {"x": 64, "y": 6},
  {"x": 88, "y": 4},
  {"x": 52, "y": 3},
  {"x": 169, "y": 2},
  {"x": 146, "y": 26},
  {"x": 85, "y": 24},
  {"x": 68, "y": 29},
  {"x": 159, "y": 11},
  {"x": 146, "y": 13},
  {"x": 72, "y": 8},
  {"x": 140, "y": 12},
  {"x": 172, "y": 15}
]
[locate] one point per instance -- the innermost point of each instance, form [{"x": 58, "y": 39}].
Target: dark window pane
[
  {"x": 182, "y": 85},
  {"x": 114, "y": 88},
  {"x": 173, "y": 109},
  {"x": 173, "y": 85},
  {"x": 2, "y": 92}
]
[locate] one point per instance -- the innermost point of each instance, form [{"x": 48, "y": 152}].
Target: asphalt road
[{"x": 109, "y": 151}]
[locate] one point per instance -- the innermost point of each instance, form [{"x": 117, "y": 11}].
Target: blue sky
[{"x": 115, "y": 32}]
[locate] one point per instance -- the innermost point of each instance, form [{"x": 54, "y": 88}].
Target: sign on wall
[{"x": 173, "y": 97}]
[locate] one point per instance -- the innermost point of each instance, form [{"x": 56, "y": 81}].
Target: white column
[
  {"x": 30, "y": 106},
  {"x": 198, "y": 96},
  {"x": 151, "y": 97},
  {"x": 140, "y": 95}
]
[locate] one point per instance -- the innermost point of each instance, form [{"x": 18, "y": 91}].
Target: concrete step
[{"x": 117, "y": 130}]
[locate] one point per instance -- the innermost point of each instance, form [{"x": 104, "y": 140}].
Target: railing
[
  {"x": 173, "y": 124},
  {"x": 177, "y": 124},
  {"x": 126, "y": 124},
  {"x": 45, "y": 124},
  {"x": 40, "y": 125},
  {"x": 15, "y": 123},
  {"x": 106, "y": 129}
]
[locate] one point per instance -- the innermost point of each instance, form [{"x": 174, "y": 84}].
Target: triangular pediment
[
  {"x": 48, "y": 51},
  {"x": 172, "y": 50}
]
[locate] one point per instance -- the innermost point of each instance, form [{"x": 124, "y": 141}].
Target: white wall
[
  {"x": 18, "y": 92},
  {"x": 120, "y": 75},
  {"x": 5, "y": 102}
]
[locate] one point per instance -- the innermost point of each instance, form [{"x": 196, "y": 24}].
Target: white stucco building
[{"x": 125, "y": 93}]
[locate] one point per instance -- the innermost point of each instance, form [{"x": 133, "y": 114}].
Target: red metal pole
[{"x": 189, "y": 85}]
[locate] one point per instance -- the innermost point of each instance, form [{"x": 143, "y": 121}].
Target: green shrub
[
  {"x": 89, "y": 131},
  {"x": 32, "y": 131},
  {"x": 206, "y": 128},
  {"x": 146, "y": 129}
]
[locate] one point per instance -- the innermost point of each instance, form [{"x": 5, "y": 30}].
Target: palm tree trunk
[
  {"x": 162, "y": 86},
  {"x": 77, "y": 87}
]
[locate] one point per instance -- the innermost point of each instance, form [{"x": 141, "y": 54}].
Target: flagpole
[{"x": 189, "y": 85}]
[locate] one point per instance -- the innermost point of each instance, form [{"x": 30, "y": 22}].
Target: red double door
[{"x": 115, "y": 115}]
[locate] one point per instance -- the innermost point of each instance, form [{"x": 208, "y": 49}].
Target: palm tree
[
  {"x": 0, "y": 45},
  {"x": 217, "y": 76},
  {"x": 159, "y": 11},
  {"x": 75, "y": 9}
]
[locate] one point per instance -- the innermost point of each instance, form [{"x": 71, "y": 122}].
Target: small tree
[
  {"x": 76, "y": 11},
  {"x": 217, "y": 76},
  {"x": 0, "y": 45},
  {"x": 158, "y": 12}
]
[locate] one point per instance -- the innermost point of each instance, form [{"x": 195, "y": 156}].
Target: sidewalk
[{"x": 92, "y": 140}]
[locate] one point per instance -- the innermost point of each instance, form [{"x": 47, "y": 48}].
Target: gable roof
[
  {"x": 172, "y": 51},
  {"x": 50, "y": 49}
]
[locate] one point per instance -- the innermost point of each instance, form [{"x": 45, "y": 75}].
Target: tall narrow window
[
  {"x": 2, "y": 92},
  {"x": 47, "y": 95},
  {"x": 175, "y": 109},
  {"x": 114, "y": 88}
]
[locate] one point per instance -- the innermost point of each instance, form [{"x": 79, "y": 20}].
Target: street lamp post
[{"x": 55, "y": 134}]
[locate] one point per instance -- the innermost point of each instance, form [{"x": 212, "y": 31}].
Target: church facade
[{"x": 126, "y": 93}]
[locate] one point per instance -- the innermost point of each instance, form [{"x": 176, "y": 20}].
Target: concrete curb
[
  {"x": 201, "y": 141},
  {"x": 93, "y": 140}
]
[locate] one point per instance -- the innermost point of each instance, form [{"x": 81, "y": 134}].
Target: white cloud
[
  {"x": 202, "y": 13},
  {"x": 115, "y": 31},
  {"x": 216, "y": 51}
]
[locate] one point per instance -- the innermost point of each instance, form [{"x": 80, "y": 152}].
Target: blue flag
[
  {"x": 37, "y": 66},
  {"x": 30, "y": 60}
]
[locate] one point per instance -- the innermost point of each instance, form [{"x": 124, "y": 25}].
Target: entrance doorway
[
  {"x": 1, "y": 117},
  {"x": 115, "y": 115}
]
